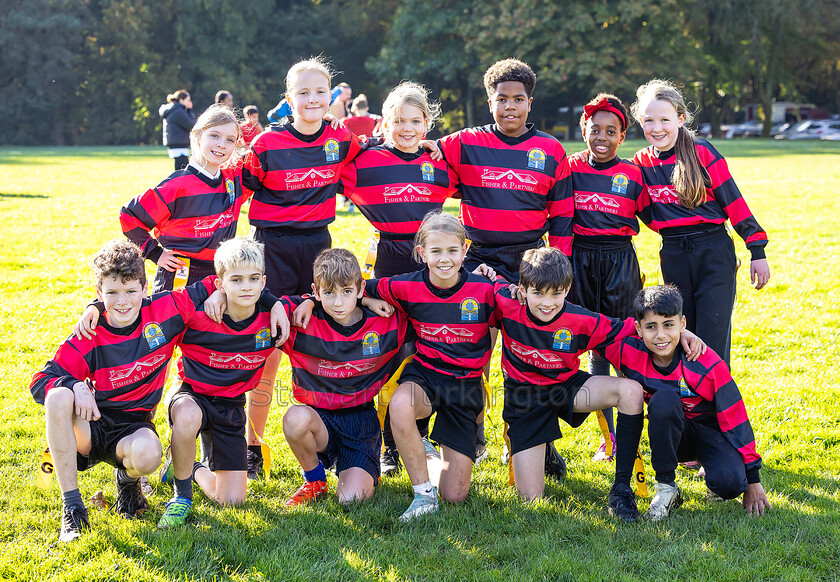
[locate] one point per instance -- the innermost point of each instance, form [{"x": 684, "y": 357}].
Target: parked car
[
  {"x": 811, "y": 129},
  {"x": 748, "y": 129}
]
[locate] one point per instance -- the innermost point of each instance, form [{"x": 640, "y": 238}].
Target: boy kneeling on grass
[
  {"x": 99, "y": 392},
  {"x": 542, "y": 342},
  {"x": 695, "y": 411}
]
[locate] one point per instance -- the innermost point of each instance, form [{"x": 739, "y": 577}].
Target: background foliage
[{"x": 96, "y": 71}]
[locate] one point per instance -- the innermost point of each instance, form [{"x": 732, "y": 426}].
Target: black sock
[
  {"x": 256, "y": 449},
  {"x": 196, "y": 466},
  {"x": 123, "y": 477},
  {"x": 627, "y": 434},
  {"x": 72, "y": 498},
  {"x": 183, "y": 488}
]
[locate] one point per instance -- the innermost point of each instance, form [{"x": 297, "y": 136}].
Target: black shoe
[
  {"x": 130, "y": 500},
  {"x": 555, "y": 465},
  {"x": 255, "y": 465},
  {"x": 73, "y": 521},
  {"x": 389, "y": 462},
  {"x": 622, "y": 503},
  {"x": 481, "y": 453}
]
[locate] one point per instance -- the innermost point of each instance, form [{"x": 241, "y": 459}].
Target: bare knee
[
  {"x": 60, "y": 403},
  {"x": 630, "y": 396},
  {"x": 145, "y": 454},
  {"x": 402, "y": 407},
  {"x": 186, "y": 416},
  {"x": 297, "y": 422},
  {"x": 455, "y": 493}
]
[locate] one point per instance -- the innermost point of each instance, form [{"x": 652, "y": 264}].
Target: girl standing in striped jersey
[{"x": 692, "y": 195}]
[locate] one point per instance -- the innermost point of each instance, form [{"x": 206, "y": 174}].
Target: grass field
[{"x": 60, "y": 205}]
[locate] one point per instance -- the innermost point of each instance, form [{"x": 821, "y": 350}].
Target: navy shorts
[
  {"x": 457, "y": 402},
  {"x": 355, "y": 439},
  {"x": 105, "y": 433},
  {"x": 504, "y": 259},
  {"x": 393, "y": 257},
  {"x": 289, "y": 256},
  {"x": 532, "y": 411},
  {"x": 222, "y": 426},
  {"x": 164, "y": 279},
  {"x": 606, "y": 275}
]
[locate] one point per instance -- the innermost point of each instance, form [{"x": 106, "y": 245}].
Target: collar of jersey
[
  {"x": 665, "y": 154},
  {"x": 667, "y": 370},
  {"x": 213, "y": 182},
  {"x": 446, "y": 293},
  {"x": 529, "y": 133},
  {"x": 244, "y": 324},
  {"x": 406, "y": 156},
  {"x": 604, "y": 165},
  {"x": 533, "y": 318},
  {"x": 345, "y": 330},
  {"x": 302, "y": 137},
  {"x": 127, "y": 330}
]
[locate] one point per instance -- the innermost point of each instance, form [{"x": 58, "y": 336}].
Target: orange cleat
[{"x": 310, "y": 491}]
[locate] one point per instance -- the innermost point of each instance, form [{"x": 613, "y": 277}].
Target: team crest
[
  {"x": 562, "y": 340},
  {"x": 370, "y": 344},
  {"x": 469, "y": 309},
  {"x": 154, "y": 335},
  {"x": 536, "y": 159},
  {"x": 684, "y": 391},
  {"x": 331, "y": 150},
  {"x": 262, "y": 339},
  {"x": 428, "y": 171},
  {"x": 619, "y": 184},
  {"x": 231, "y": 191}
]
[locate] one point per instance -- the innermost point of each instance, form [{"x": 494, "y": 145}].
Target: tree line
[{"x": 95, "y": 71}]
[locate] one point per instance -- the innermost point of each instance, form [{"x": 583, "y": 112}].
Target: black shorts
[
  {"x": 355, "y": 439},
  {"x": 504, "y": 259},
  {"x": 109, "y": 430},
  {"x": 606, "y": 275},
  {"x": 532, "y": 411},
  {"x": 198, "y": 271},
  {"x": 393, "y": 257},
  {"x": 289, "y": 256},
  {"x": 457, "y": 402},
  {"x": 223, "y": 427}
]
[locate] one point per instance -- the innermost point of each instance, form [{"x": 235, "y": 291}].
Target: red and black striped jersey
[
  {"x": 724, "y": 200},
  {"x": 706, "y": 388},
  {"x": 394, "y": 190},
  {"x": 608, "y": 196},
  {"x": 189, "y": 212},
  {"x": 295, "y": 176},
  {"x": 542, "y": 353},
  {"x": 127, "y": 365},
  {"x": 452, "y": 325},
  {"x": 225, "y": 359},
  {"x": 336, "y": 366},
  {"x": 513, "y": 189}
]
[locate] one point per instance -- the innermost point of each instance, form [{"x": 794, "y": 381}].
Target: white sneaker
[
  {"x": 666, "y": 498},
  {"x": 421, "y": 505}
]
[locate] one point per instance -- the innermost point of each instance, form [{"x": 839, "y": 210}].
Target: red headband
[{"x": 603, "y": 105}]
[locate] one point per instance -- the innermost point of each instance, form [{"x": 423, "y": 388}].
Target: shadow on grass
[{"x": 2, "y": 195}]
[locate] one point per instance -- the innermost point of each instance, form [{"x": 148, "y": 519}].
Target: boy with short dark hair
[
  {"x": 541, "y": 346},
  {"x": 99, "y": 392},
  {"x": 340, "y": 361},
  {"x": 695, "y": 411}
]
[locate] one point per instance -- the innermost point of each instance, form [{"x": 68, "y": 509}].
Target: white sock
[{"x": 423, "y": 488}]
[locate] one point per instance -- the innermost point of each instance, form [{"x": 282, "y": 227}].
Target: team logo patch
[
  {"x": 231, "y": 191},
  {"x": 619, "y": 184},
  {"x": 562, "y": 340},
  {"x": 262, "y": 339},
  {"x": 331, "y": 150},
  {"x": 469, "y": 309},
  {"x": 536, "y": 159},
  {"x": 370, "y": 344},
  {"x": 428, "y": 171},
  {"x": 684, "y": 390},
  {"x": 154, "y": 335}
]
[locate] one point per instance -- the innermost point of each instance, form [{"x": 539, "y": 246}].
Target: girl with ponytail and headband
[
  {"x": 692, "y": 195},
  {"x": 608, "y": 194}
]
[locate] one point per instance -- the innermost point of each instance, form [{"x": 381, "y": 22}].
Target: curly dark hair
[
  {"x": 120, "y": 259},
  {"x": 612, "y": 100},
  {"x": 509, "y": 70}
]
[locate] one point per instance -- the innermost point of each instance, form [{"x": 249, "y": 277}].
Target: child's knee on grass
[
  {"x": 529, "y": 472},
  {"x": 455, "y": 476},
  {"x": 354, "y": 486},
  {"x": 231, "y": 487},
  {"x": 140, "y": 452}
]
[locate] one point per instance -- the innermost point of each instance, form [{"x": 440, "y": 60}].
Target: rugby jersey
[
  {"x": 707, "y": 390},
  {"x": 724, "y": 200},
  {"x": 336, "y": 366},
  {"x": 188, "y": 212},
  {"x": 513, "y": 189},
  {"x": 295, "y": 176},
  {"x": 394, "y": 190},
  {"x": 226, "y": 359},
  {"x": 127, "y": 365},
  {"x": 607, "y": 196},
  {"x": 542, "y": 353},
  {"x": 452, "y": 325}
]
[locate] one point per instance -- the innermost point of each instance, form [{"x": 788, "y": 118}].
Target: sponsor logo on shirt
[
  {"x": 331, "y": 150},
  {"x": 428, "y": 171},
  {"x": 407, "y": 193},
  {"x": 537, "y": 358},
  {"x": 309, "y": 179},
  {"x": 596, "y": 202},
  {"x": 137, "y": 371},
  {"x": 469, "y": 309},
  {"x": 370, "y": 344},
  {"x": 562, "y": 339},
  {"x": 446, "y": 334},
  {"x": 619, "y": 184},
  {"x": 508, "y": 180},
  {"x": 235, "y": 361},
  {"x": 329, "y": 369},
  {"x": 664, "y": 194},
  {"x": 207, "y": 226},
  {"x": 536, "y": 159},
  {"x": 154, "y": 335}
]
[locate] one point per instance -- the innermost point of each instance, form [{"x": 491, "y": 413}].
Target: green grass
[{"x": 60, "y": 205}]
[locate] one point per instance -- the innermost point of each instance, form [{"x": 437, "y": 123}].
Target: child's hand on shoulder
[
  {"x": 215, "y": 305},
  {"x": 517, "y": 293},
  {"x": 379, "y": 307},
  {"x": 692, "y": 345},
  {"x": 334, "y": 121},
  {"x": 303, "y": 313},
  {"x": 279, "y": 323},
  {"x": 755, "y": 500},
  {"x": 485, "y": 271},
  {"x": 86, "y": 326},
  {"x": 434, "y": 151}
]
